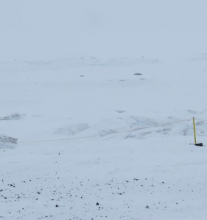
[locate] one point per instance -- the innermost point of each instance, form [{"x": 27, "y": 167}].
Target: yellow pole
[{"x": 194, "y": 128}]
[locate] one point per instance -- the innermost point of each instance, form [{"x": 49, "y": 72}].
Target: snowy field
[{"x": 104, "y": 131}]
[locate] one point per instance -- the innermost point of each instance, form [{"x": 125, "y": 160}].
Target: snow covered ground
[
  {"x": 104, "y": 118},
  {"x": 151, "y": 173}
]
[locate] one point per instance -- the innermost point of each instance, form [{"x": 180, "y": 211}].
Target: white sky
[{"x": 53, "y": 29}]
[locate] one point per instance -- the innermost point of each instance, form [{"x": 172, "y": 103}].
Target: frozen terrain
[{"x": 97, "y": 101}]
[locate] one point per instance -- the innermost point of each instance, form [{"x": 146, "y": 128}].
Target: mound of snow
[
  {"x": 72, "y": 129},
  {"x": 15, "y": 116},
  {"x": 6, "y": 141}
]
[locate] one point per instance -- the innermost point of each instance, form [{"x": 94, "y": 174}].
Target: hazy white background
[{"x": 50, "y": 29}]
